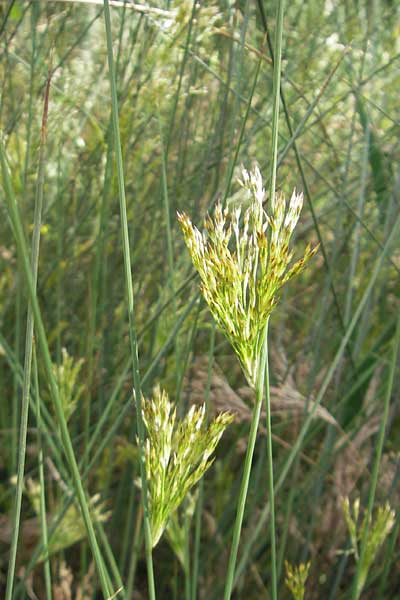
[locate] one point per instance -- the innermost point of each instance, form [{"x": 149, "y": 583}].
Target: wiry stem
[
  {"x": 247, "y": 469},
  {"x": 131, "y": 311},
  {"x": 271, "y": 490},
  {"x": 274, "y": 159},
  {"x": 43, "y": 521}
]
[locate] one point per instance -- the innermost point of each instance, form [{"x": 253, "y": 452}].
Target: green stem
[
  {"x": 247, "y": 469},
  {"x": 272, "y": 187},
  {"x": 136, "y": 545},
  {"x": 276, "y": 97},
  {"x": 131, "y": 311},
  {"x": 43, "y": 518},
  {"x": 271, "y": 492},
  {"x": 187, "y": 558}
]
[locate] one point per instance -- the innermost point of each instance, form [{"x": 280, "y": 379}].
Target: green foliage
[{"x": 202, "y": 74}]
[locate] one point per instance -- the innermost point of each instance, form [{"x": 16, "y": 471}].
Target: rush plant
[{"x": 243, "y": 264}]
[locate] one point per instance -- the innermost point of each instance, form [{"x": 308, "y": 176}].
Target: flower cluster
[
  {"x": 243, "y": 261},
  {"x": 296, "y": 578},
  {"x": 378, "y": 530},
  {"x": 67, "y": 377},
  {"x": 177, "y": 453}
]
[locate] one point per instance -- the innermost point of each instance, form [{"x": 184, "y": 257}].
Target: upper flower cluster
[{"x": 243, "y": 261}]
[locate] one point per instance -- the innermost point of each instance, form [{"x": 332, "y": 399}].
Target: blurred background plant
[
  {"x": 195, "y": 87},
  {"x": 296, "y": 578}
]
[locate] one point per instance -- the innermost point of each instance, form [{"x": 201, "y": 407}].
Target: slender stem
[
  {"x": 242, "y": 498},
  {"x": 136, "y": 545},
  {"x": 43, "y": 518},
  {"x": 131, "y": 311},
  {"x": 274, "y": 164},
  {"x": 247, "y": 469},
  {"x": 17, "y": 352},
  {"x": 28, "y": 354},
  {"x": 276, "y": 97},
  {"x": 111, "y": 559},
  {"x": 234, "y": 160},
  {"x": 187, "y": 557},
  {"x": 271, "y": 492},
  {"x": 357, "y": 583},
  {"x": 197, "y": 536}
]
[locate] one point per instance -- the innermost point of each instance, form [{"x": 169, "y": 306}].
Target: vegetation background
[{"x": 194, "y": 85}]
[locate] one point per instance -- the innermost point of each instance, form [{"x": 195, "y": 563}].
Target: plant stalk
[
  {"x": 43, "y": 518},
  {"x": 271, "y": 491},
  {"x": 247, "y": 469},
  {"x": 272, "y": 188},
  {"x": 131, "y": 309}
]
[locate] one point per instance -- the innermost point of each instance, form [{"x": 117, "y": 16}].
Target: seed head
[
  {"x": 379, "y": 528},
  {"x": 296, "y": 578},
  {"x": 177, "y": 453},
  {"x": 243, "y": 263}
]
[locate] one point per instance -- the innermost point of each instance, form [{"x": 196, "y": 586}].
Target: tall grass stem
[
  {"x": 270, "y": 463},
  {"x": 43, "y": 518},
  {"x": 246, "y": 473},
  {"x": 272, "y": 189},
  {"x": 200, "y": 499},
  {"x": 129, "y": 291}
]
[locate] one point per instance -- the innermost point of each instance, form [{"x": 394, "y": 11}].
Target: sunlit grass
[{"x": 117, "y": 304}]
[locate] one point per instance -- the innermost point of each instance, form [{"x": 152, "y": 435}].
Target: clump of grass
[
  {"x": 204, "y": 89},
  {"x": 177, "y": 454},
  {"x": 243, "y": 268}
]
